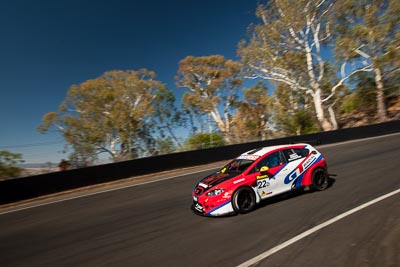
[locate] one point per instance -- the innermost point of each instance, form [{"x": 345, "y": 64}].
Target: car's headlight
[{"x": 215, "y": 192}]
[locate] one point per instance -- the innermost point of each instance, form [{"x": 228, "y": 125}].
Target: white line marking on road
[{"x": 275, "y": 249}]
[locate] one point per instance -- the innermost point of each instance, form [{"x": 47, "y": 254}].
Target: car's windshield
[{"x": 237, "y": 165}]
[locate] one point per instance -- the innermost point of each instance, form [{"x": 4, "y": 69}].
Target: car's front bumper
[{"x": 226, "y": 209}]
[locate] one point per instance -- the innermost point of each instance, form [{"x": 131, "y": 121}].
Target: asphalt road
[{"x": 152, "y": 225}]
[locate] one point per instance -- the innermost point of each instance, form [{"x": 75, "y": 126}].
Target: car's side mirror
[{"x": 264, "y": 169}]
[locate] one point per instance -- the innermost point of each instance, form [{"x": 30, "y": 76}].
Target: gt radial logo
[
  {"x": 293, "y": 175},
  {"x": 300, "y": 169}
]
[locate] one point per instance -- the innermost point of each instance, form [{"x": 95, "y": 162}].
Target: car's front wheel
[
  {"x": 243, "y": 200},
  {"x": 320, "y": 179}
]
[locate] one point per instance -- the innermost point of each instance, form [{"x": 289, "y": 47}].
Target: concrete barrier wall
[{"x": 29, "y": 187}]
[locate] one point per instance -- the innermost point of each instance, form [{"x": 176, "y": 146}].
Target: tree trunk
[
  {"x": 325, "y": 124},
  {"x": 227, "y": 132},
  {"x": 380, "y": 96},
  {"x": 333, "y": 117},
  {"x": 221, "y": 125}
]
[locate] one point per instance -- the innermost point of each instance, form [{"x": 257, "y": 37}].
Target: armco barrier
[{"x": 34, "y": 186}]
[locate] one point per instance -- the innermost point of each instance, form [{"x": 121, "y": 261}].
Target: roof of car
[{"x": 264, "y": 150}]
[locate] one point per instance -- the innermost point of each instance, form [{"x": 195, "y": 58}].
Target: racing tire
[
  {"x": 320, "y": 179},
  {"x": 243, "y": 200}
]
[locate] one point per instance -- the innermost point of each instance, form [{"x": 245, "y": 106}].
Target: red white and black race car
[{"x": 259, "y": 174}]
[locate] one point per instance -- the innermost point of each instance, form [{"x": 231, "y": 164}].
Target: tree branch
[
  {"x": 333, "y": 90},
  {"x": 361, "y": 53}
]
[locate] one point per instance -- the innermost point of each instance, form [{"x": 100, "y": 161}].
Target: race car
[{"x": 259, "y": 174}]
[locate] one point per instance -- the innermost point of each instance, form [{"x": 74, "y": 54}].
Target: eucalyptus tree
[
  {"x": 289, "y": 47},
  {"x": 369, "y": 32},
  {"x": 213, "y": 83},
  {"x": 116, "y": 113}
]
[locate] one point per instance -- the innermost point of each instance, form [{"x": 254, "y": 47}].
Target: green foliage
[
  {"x": 350, "y": 103},
  {"x": 362, "y": 100},
  {"x": 299, "y": 123},
  {"x": 293, "y": 112},
  {"x": 204, "y": 140},
  {"x": 8, "y": 161},
  {"x": 363, "y": 97}
]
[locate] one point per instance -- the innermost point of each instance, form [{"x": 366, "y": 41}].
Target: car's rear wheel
[
  {"x": 320, "y": 179},
  {"x": 243, "y": 200}
]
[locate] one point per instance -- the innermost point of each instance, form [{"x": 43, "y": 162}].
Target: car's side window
[
  {"x": 302, "y": 151},
  {"x": 295, "y": 153},
  {"x": 271, "y": 161}
]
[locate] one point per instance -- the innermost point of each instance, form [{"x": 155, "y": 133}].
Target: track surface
[{"x": 152, "y": 225}]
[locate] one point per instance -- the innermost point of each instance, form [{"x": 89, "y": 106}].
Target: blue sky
[{"x": 47, "y": 46}]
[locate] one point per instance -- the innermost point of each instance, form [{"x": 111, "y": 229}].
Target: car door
[
  {"x": 294, "y": 157},
  {"x": 270, "y": 182}
]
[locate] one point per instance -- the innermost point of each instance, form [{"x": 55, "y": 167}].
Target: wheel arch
[
  {"x": 326, "y": 178},
  {"x": 248, "y": 186},
  {"x": 255, "y": 195},
  {"x": 307, "y": 180}
]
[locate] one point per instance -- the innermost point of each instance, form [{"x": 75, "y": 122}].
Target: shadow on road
[
  {"x": 331, "y": 180},
  {"x": 294, "y": 193}
]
